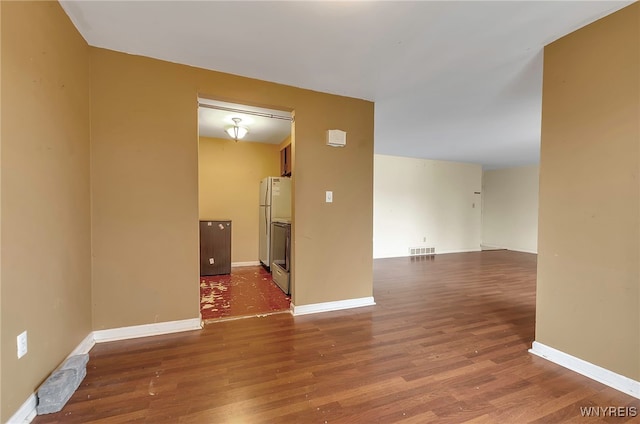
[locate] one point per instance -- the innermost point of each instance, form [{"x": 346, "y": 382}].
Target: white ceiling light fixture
[{"x": 236, "y": 131}]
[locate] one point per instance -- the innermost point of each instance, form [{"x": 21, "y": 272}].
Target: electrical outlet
[
  {"x": 22, "y": 344},
  {"x": 424, "y": 239},
  {"x": 329, "y": 196}
]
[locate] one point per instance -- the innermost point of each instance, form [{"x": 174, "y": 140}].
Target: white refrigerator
[{"x": 275, "y": 206}]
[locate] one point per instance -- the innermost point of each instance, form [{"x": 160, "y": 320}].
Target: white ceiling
[
  {"x": 451, "y": 80},
  {"x": 262, "y": 126}
]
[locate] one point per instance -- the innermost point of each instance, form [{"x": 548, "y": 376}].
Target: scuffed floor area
[{"x": 247, "y": 291}]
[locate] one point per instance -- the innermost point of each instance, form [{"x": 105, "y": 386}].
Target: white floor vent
[{"x": 422, "y": 251}]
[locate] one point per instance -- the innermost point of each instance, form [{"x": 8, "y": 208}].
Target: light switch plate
[
  {"x": 329, "y": 197},
  {"x": 22, "y": 344}
]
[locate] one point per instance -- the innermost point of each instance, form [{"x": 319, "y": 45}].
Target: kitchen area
[
  {"x": 244, "y": 176},
  {"x": 275, "y": 229}
]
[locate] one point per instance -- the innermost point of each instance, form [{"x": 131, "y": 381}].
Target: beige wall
[
  {"x": 418, "y": 199},
  {"x": 136, "y": 237},
  {"x": 45, "y": 194},
  {"x": 510, "y": 209},
  {"x": 145, "y": 198},
  {"x": 229, "y": 175},
  {"x": 1, "y": 406},
  {"x": 588, "y": 299}
]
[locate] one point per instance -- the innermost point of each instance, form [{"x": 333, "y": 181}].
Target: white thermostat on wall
[{"x": 336, "y": 138}]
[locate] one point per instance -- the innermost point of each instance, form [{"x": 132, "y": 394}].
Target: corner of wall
[
  {"x": 44, "y": 203},
  {"x": 0, "y": 206}
]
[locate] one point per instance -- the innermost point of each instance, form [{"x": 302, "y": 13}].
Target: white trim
[
  {"x": 145, "y": 330},
  {"x": 26, "y": 413},
  {"x": 315, "y": 308},
  {"x": 85, "y": 345},
  {"x": 486, "y": 247},
  {"x": 594, "y": 372},
  {"x": 399, "y": 255},
  {"x": 240, "y": 264},
  {"x": 437, "y": 252},
  {"x": 534, "y": 252},
  {"x": 446, "y": 252}
]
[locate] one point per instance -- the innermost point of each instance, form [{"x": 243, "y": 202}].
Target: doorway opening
[{"x": 244, "y": 179}]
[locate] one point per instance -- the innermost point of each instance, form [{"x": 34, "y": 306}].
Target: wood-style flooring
[
  {"x": 446, "y": 343},
  {"x": 247, "y": 291}
]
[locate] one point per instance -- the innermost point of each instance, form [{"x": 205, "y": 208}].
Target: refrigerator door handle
[{"x": 266, "y": 193}]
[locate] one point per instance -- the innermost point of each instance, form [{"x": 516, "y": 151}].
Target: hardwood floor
[{"x": 447, "y": 342}]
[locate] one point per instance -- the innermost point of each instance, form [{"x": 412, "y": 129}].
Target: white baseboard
[
  {"x": 315, "y": 308},
  {"x": 26, "y": 413},
  {"x": 594, "y": 372},
  {"x": 239, "y": 264},
  {"x": 84, "y": 346},
  {"x": 146, "y": 330},
  {"x": 389, "y": 256},
  {"x": 491, "y": 247},
  {"x": 513, "y": 249},
  {"x": 534, "y": 252},
  {"x": 483, "y": 247},
  {"x": 438, "y": 252},
  {"x": 442, "y": 252}
]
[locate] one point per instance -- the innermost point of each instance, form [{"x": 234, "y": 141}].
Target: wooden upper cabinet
[{"x": 285, "y": 161}]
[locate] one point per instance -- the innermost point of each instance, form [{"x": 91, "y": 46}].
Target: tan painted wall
[
  {"x": 145, "y": 195},
  {"x": 588, "y": 299},
  {"x": 46, "y": 259},
  {"x": 510, "y": 208},
  {"x": 229, "y": 175},
  {"x": 1, "y": 406}
]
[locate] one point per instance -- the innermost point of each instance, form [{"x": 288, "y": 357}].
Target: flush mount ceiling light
[{"x": 236, "y": 131}]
